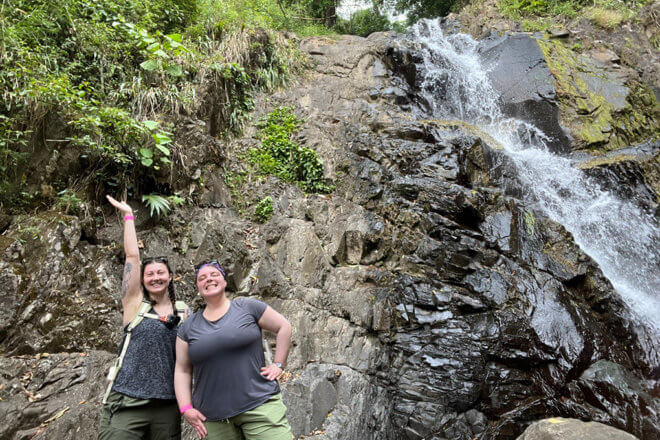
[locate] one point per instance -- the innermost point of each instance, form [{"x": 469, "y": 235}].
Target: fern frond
[{"x": 158, "y": 204}]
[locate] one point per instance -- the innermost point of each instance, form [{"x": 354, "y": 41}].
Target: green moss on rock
[{"x": 595, "y": 122}]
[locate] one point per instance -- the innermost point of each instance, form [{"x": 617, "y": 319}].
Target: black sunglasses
[
  {"x": 154, "y": 260},
  {"x": 213, "y": 263},
  {"x": 171, "y": 321}
]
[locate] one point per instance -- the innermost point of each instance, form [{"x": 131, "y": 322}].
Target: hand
[
  {"x": 122, "y": 206},
  {"x": 271, "y": 372},
  {"x": 196, "y": 419}
]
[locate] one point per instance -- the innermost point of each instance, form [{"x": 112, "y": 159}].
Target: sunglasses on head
[
  {"x": 154, "y": 260},
  {"x": 213, "y": 263}
]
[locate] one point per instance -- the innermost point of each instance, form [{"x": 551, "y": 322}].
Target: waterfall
[{"x": 621, "y": 238}]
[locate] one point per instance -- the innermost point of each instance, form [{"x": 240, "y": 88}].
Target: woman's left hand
[{"x": 271, "y": 372}]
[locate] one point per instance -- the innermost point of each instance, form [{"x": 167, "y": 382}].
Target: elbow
[{"x": 286, "y": 329}]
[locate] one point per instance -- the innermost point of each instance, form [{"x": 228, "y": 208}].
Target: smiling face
[
  {"x": 156, "y": 277},
  {"x": 210, "y": 282}
]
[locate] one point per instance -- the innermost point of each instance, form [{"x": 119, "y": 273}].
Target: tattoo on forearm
[{"x": 126, "y": 279}]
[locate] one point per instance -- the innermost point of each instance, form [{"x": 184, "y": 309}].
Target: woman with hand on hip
[
  {"x": 139, "y": 402},
  {"x": 236, "y": 396}
]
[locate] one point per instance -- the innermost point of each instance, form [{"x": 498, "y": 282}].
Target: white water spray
[{"x": 621, "y": 238}]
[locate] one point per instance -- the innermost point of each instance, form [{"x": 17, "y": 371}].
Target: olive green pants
[
  {"x": 265, "y": 422},
  {"x": 126, "y": 418}
]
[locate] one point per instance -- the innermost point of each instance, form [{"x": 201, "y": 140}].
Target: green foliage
[
  {"x": 68, "y": 201},
  {"x": 322, "y": 9},
  {"x": 264, "y": 209},
  {"x": 364, "y": 22},
  {"x": 236, "y": 92},
  {"x": 519, "y": 8},
  {"x": 607, "y": 13},
  {"x": 157, "y": 204},
  {"x": 537, "y": 25},
  {"x": 11, "y": 142},
  {"x": 417, "y": 9},
  {"x": 95, "y": 76},
  {"x": 161, "y": 205},
  {"x": 280, "y": 156},
  {"x": 223, "y": 16}
]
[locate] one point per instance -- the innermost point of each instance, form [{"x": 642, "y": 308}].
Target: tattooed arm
[{"x": 131, "y": 290}]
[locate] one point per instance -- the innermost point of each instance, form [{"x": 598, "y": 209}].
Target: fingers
[
  {"x": 112, "y": 201},
  {"x": 196, "y": 419},
  {"x": 271, "y": 372},
  {"x": 122, "y": 206},
  {"x": 200, "y": 428}
]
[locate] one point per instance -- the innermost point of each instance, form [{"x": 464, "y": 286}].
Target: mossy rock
[{"x": 604, "y": 111}]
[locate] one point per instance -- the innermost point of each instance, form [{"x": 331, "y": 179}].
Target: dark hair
[{"x": 170, "y": 286}]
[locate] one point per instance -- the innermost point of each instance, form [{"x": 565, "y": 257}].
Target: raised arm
[
  {"x": 276, "y": 323},
  {"x": 131, "y": 289},
  {"x": 183, "y": 388}
]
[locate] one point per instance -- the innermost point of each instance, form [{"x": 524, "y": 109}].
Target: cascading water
[{"x": 620, "y": 237}]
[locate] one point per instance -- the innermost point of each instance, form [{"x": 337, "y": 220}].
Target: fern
[{"x": 156, "y": 204}]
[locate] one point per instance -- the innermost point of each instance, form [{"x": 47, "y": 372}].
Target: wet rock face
[
  {"x": 519, "y": 73},
  {"x": 631, "y": 173},
  {"x": 427, "y": 300}
]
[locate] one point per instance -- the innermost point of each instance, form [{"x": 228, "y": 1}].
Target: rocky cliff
[{"x": 428, "y": 300}]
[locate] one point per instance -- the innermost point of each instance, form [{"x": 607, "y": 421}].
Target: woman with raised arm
[
  {"x": 236, "y": 395},
  {"x": 139, "y": 402}
]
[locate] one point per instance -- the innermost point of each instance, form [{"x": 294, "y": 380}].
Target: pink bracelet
[
  {"x": 128, "y": 217},
  {"x": 185, "y": 408}
]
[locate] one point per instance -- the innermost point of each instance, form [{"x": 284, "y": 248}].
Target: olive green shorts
[
  {"x": 265, "y": 422},
  {"x": 127, "y": 418}
]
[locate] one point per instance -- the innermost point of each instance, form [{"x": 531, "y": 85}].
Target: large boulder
[{"x": 570, "y": 429}]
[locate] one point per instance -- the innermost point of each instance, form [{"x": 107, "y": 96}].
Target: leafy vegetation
[
  {"x": 264, "y": 209},
  {"x": 160, "y": 205},
  {"x": 417, "y": 9},
  {"x": 104, "y": 82},
  {"x": 540, "y": 14},
  {"x": 364, "y": 22},
  {"x": 281, "y": 156}
]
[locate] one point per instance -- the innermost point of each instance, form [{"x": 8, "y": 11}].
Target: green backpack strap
[
  {"x": 144, "y": 307},
  {"x": 182, "y": 309}
]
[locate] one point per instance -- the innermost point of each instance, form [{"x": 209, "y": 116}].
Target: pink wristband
[
  {"x": 185, "y": 408},
  {"x": 128, "y": 217}
]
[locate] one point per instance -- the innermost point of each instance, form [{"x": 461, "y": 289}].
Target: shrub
[
  {"x": 264, "y": 209},
  {"x": 364, "y": 22},
  {"x": 99, "y": 74},
  {"x": 606, "y": 18},
  {"x": 280, "y": 156}
]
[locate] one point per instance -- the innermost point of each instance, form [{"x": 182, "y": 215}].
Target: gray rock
[
  {"x": 519, "y": 73},
  {"x": 569, "y": 429}
]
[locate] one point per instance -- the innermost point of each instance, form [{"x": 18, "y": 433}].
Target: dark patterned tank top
[{"x": 148, "y": 368}]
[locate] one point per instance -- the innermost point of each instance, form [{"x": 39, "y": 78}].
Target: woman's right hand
[
  {"x": 196, "y": 420},
  {"x": 124, "y": 207}
]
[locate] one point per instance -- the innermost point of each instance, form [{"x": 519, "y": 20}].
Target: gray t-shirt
[{"x": 227, "y": 356}]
